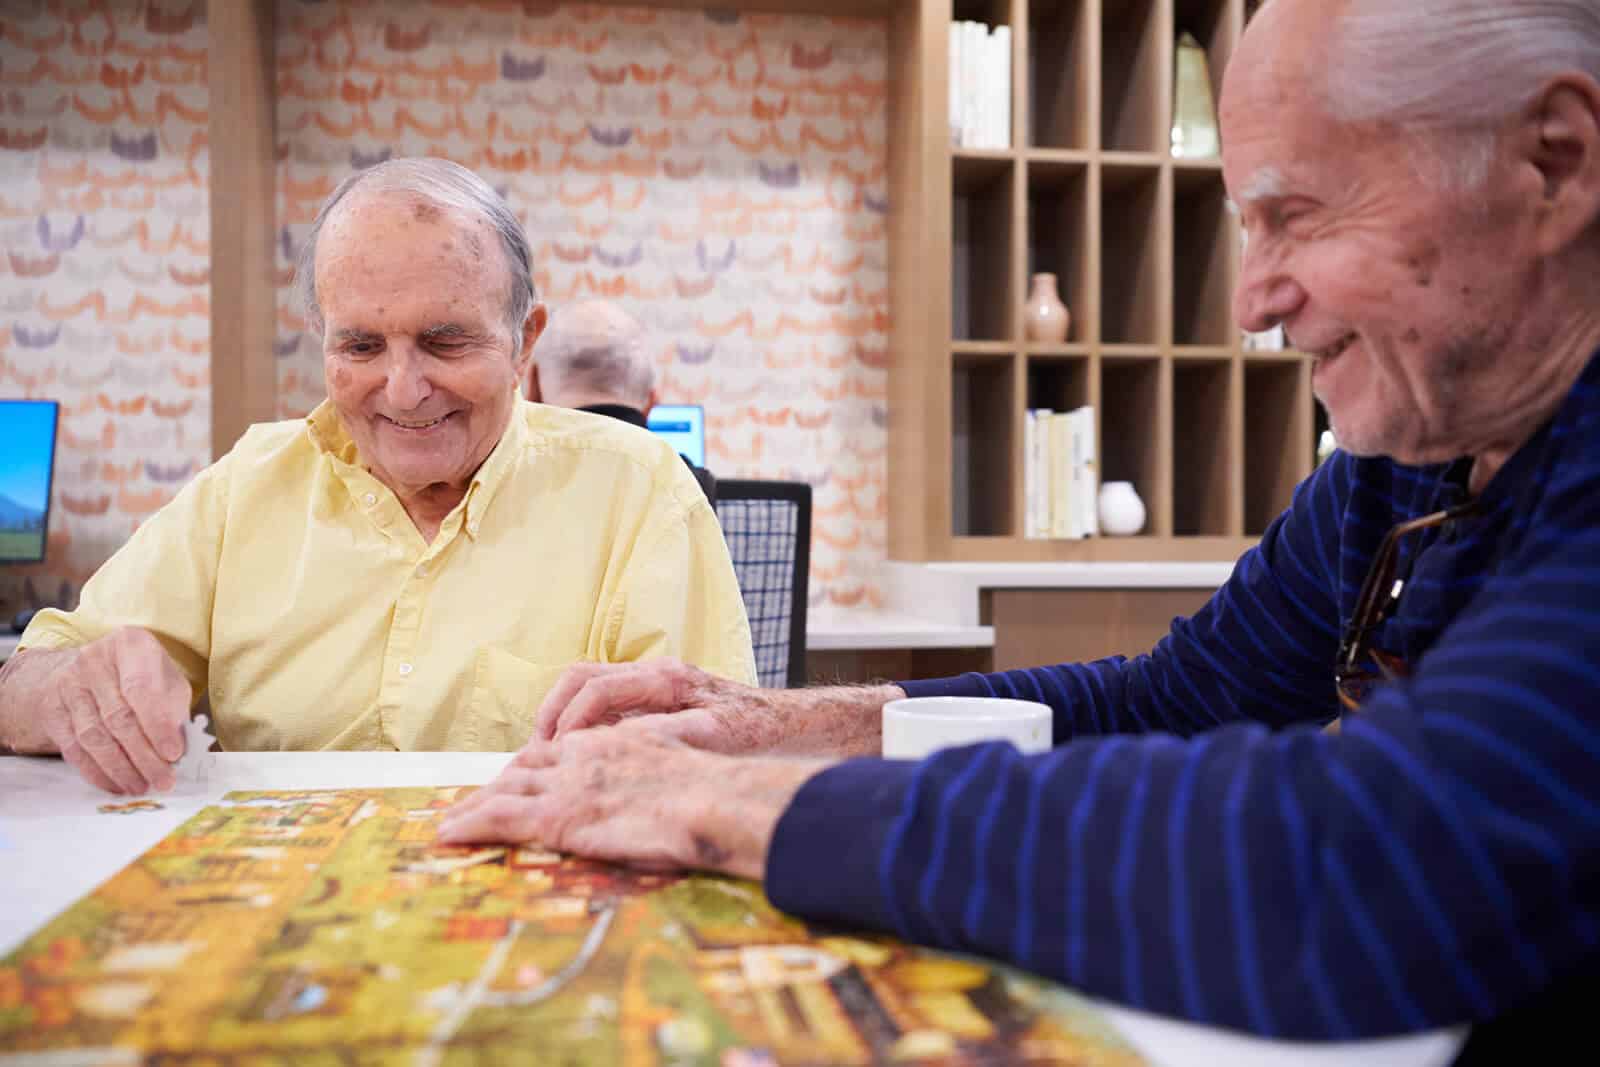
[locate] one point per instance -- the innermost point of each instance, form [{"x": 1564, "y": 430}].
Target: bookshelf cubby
[
  {"x": 1135, "y": 74},
  {"x": 1146, "y": 254},
  {"x": 982, "y": 396},
  {"x": 1058, "y": 68},
  {"x": 1278, "y": 445},
  {"x": 1202, "y": 240},
  {"x": 1132, "y": 253},
  {"x": 1203, "y": 402}
]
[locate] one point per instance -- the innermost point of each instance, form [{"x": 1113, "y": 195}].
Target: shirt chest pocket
[{"x": 506, "y": 693}]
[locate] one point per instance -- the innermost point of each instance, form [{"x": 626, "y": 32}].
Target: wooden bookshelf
[{"x": 1145, "y": 250}]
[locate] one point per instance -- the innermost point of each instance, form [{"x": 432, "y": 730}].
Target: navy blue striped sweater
[{"x": 1196, "y": 845}]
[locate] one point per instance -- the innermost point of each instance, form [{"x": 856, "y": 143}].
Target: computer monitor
[
  {"x": 27, "y": 460},
  {"x": 684, "y": 427}
]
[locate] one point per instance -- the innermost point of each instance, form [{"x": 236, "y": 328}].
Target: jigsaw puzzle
[{"x": 327, "y": 927}]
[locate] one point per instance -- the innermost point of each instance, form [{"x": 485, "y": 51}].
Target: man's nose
[
  {"x": 407, "y": 385},
  {"x": 1266, "y": 295}
]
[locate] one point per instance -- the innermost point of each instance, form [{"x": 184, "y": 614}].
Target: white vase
[{"x": 1121, "y": 511}]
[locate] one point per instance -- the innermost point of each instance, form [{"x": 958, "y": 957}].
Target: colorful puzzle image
[{"x": 320, "y": 927}]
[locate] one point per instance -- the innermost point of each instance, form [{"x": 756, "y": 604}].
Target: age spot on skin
[
  {"x": 1423, "y": 264},
  {"x": 425, "y": 212},
  {"x": 707, "y": 852},
  {"x": 1412, "y": 336}
]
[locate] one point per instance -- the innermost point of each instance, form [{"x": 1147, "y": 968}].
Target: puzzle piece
[{"x": 194, "y": 766}]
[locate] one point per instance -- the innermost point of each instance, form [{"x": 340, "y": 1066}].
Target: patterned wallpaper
[
  {"x": 104, "y": 284},
  {"x": 721, "y": 175}
]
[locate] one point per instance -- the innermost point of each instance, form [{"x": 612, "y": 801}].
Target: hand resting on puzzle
[{"x": 629, "y": 795}]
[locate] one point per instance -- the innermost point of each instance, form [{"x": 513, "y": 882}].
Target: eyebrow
[
  {"x": 347, "y": 335},
  {"x": 446, "y": 331},
  {"x": 1268, "y": 183}
]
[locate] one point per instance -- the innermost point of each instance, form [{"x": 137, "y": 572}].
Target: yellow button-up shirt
[{"x": 290, "y": 585}]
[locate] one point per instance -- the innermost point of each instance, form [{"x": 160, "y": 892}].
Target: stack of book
[
  {"x": 980, "y": 85},
  {"x": 1061, "y": 480}
]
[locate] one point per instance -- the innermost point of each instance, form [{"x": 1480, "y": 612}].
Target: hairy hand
[
  {"x": 726, "y": 718},
  {"x": 116, "y": 712},
  {"x": 630, "y": 796}
]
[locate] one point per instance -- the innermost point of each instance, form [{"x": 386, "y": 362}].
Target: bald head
[
  {"x": 593, "y": 352},
  {"x": 436, "y": 190}
]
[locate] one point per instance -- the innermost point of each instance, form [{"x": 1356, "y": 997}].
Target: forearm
[
  {"x": 25, "y": 686},
  {"x": 838, "y": 722}
]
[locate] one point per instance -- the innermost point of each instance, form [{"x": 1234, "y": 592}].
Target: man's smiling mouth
[{"x": 405, "y": 424}]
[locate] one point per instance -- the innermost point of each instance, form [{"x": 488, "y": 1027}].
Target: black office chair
[{"x": 768, "y": 529}]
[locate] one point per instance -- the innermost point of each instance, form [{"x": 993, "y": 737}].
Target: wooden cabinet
[{"x": 1146, "y": 251}]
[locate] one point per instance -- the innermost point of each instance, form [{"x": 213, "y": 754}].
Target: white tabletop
[{"x": 55, "y": 846}]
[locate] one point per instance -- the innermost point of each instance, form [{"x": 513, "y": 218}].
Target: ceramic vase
[
  {"x": 1121, "y": 511},
  {"x": 1046, "y": 318}
]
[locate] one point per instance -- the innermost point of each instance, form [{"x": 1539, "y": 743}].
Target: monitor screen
[
  {"x": 684, "y": 427},
  {"x": 28, "y": 430}
]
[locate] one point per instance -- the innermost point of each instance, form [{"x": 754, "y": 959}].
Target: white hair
[
  {"x": 597, "y": 349},
  {"x": 450, "y": 187},
  {"x": 1456, "y": 67}
]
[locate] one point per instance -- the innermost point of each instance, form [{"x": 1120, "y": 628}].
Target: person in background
[
  {"x": 1421, "y": 185},
  {"x": 411, "y": 565},
  {"x": 593, "y": 358}
]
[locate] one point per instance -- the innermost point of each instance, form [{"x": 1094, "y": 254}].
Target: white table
[{"x": 55, "y": 847}]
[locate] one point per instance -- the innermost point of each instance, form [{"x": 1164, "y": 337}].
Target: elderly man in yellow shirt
[{"x": 412, "y": 565}]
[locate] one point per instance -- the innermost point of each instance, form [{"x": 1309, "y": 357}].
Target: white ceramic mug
[{"x": 918, "y": 726}]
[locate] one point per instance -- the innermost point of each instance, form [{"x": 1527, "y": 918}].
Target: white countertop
[
  {"x": 937, "y": 605},
  {"x": 55, "y": 847},
  {"x": 1082, "y": 575},
  {"x": 831, "y": 629}
]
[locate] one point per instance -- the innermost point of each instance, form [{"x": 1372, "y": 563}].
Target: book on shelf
[
  {"x": 980, "y": 85},
  {"x": 1059, "y": 474}
]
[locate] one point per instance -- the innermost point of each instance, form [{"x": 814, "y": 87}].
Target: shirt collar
[{"x": 328, "y": 434}]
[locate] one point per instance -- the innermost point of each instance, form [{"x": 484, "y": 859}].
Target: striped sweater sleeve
[
  {"x": 1261, "y": 649},
  {"x": 1433, "y": 863}
]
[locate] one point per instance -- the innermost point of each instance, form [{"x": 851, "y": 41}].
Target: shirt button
[
  {"x": 405, "y": 669},
  {"x": 370, "y": 499}
]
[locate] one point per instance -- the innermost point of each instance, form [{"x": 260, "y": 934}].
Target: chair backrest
[{"x": 768, "y": 529}]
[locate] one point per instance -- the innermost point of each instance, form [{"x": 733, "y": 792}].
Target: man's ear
[
  {"x": 532, "y": 327},
  {"x": 1566, "y": 154},
  {"x": 649, "y": 402}
]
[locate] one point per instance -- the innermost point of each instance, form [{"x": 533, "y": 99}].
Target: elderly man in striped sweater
[{"x": 1421, "y": 186}]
